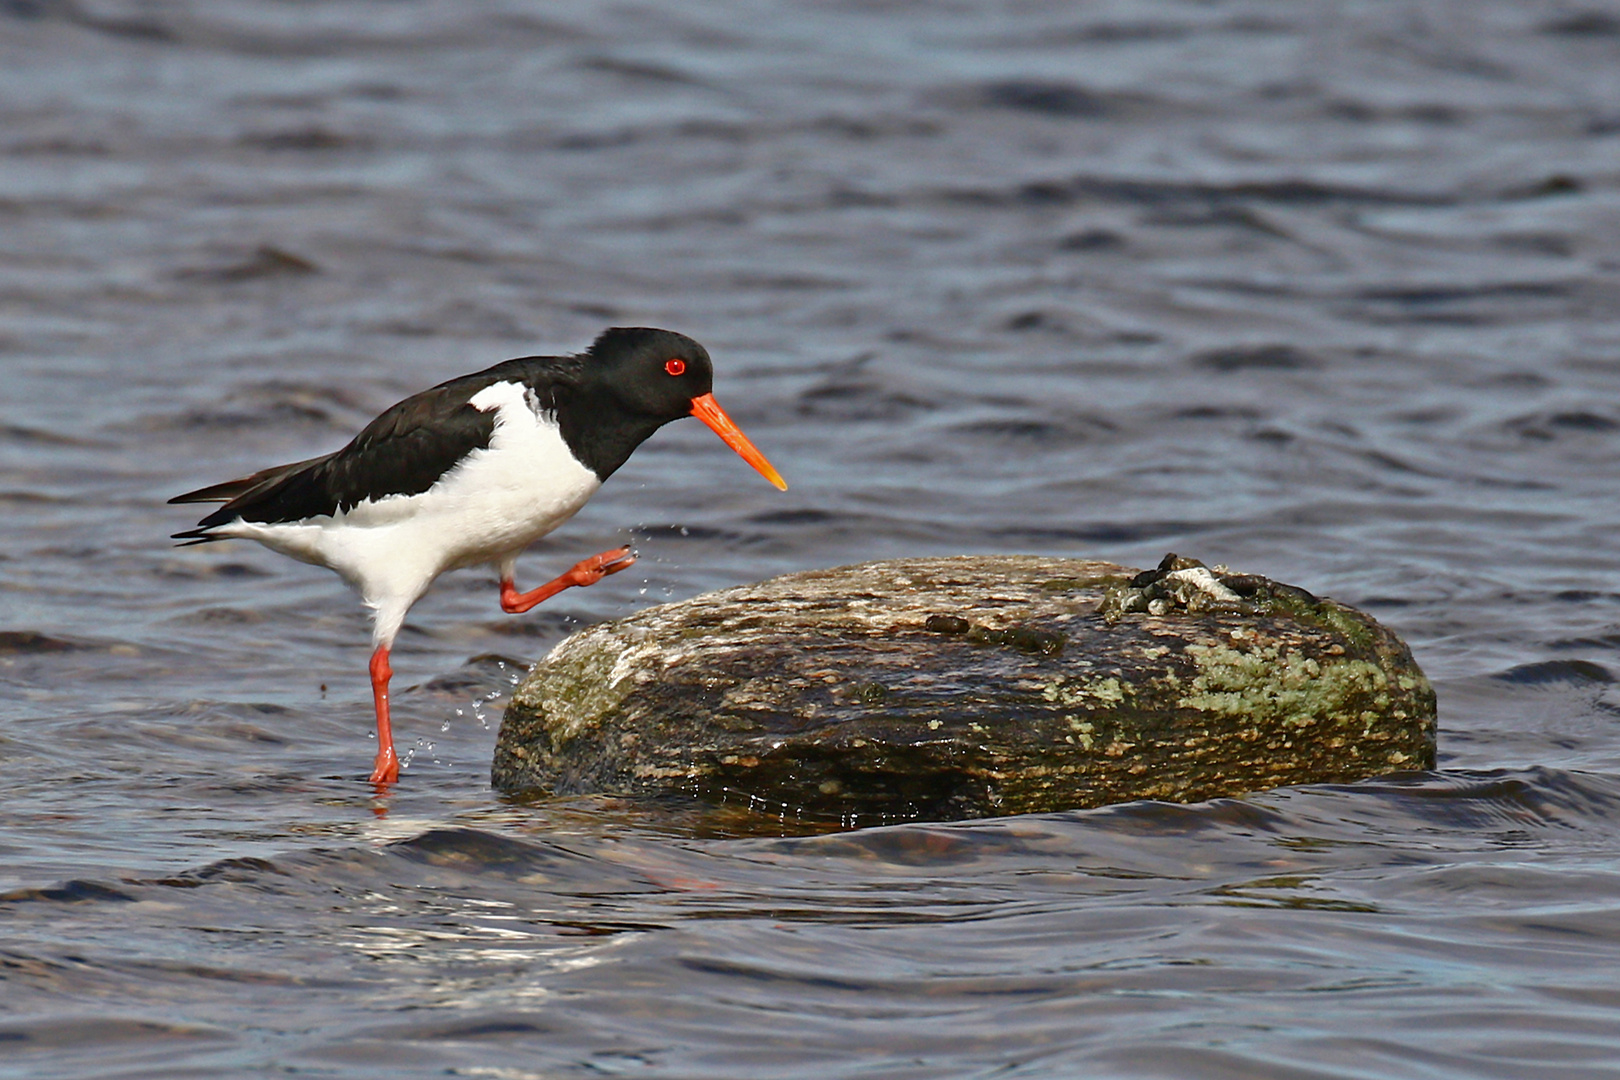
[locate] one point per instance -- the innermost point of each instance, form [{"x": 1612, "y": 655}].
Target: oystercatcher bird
[{"x": 469, "y": 472}]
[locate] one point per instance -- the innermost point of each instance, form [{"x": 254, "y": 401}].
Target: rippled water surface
[{"x": 1322, "y": 291}]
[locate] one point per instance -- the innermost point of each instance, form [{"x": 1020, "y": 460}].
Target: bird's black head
[
  {"x": 651, "y": 373},
  {"x": 634, "y": 381}
]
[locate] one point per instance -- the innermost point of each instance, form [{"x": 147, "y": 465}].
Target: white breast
[{"x": 501, "y": 499}]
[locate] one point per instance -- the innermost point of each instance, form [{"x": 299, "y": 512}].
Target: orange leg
[
  {"x": 386, "y": 768},
  {"x": 585, "y": 572}
]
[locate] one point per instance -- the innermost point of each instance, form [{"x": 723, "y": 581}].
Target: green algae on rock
[{"x": 969, "y": 687}]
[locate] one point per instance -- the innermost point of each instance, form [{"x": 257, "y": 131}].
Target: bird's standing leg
[
  {"x": 585, "y": 572},
  {"x": 386, "y": 768}
]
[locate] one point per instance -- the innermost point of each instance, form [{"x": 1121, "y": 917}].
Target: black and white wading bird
[{"x": 469, "y": 472}]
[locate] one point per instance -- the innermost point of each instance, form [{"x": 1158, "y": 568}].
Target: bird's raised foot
[
  {"x": 585, "y": 572},
  {"x": 590, "y": 571}
]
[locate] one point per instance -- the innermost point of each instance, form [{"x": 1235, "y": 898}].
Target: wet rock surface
[{"x": 964, "y": 687}]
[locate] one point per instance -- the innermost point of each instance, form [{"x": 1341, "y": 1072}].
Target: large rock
[{"x": 968, "y": 687}]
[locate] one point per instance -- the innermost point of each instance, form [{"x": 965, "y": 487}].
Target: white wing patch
[{"x": 503, "y": 394}]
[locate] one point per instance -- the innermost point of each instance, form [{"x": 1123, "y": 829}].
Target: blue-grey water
[{"x": 1328, "y": 292}]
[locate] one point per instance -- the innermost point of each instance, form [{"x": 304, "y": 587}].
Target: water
[{"x": 1324, "y": 292}]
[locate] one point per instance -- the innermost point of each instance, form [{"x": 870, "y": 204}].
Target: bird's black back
[{"x": 404, "y": 451}]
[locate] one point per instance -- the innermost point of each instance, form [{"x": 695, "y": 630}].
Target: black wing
[{"x": 403, "y": 452}]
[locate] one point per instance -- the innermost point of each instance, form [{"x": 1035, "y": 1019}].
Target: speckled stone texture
[{"x": 967, "y": 687}]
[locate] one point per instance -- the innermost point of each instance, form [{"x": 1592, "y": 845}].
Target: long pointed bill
[{"x": 706, "y": 410}]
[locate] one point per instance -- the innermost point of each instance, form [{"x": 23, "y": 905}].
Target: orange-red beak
[{"x": 706, "y": 410}]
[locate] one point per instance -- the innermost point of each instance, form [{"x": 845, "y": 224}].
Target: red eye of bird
[{"x": 675, "y": 367}]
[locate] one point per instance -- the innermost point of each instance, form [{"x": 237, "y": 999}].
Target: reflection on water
[{"x": 1325, "y": 293}]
